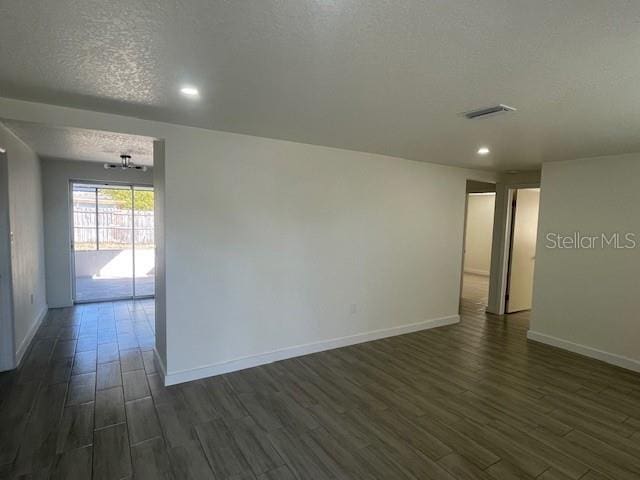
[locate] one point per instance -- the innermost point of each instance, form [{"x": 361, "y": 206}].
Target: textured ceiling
[
  {"x": 374, "y": 75},
  {"x": 82, "y": 144}
]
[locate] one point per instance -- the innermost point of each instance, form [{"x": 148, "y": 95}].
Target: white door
[{"x": 523, "y": 249}]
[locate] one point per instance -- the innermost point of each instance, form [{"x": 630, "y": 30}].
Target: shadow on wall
[{"x": 114, "y": 263}]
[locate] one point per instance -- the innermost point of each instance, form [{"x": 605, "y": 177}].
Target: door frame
[
  {"x": 97, "y": 184},
  {"x": 513, "y": 203},
  {"x": 492, "y": 187}
]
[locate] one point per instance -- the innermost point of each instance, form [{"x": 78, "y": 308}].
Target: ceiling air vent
[{"x": 489, "y": 111}]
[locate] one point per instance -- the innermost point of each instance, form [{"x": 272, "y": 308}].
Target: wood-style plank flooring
[
  {"x": 469, "y": 401},
  {"x": 475, "y": 289}
]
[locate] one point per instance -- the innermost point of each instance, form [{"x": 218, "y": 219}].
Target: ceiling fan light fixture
[{"x": 125, "y": 164}]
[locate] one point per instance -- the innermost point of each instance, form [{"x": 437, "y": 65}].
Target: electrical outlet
[
  {"x": 32, "y": 299},
  {"x": 353, "y": 309}
]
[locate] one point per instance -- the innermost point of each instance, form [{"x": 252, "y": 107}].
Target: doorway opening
[
  {"x": 113, "y": 241},
  {"x": 478, "y": 237},
  {"x": 523, "y": 234}
]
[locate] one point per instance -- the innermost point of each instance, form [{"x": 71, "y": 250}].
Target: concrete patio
[
  {"x": 108, "y": 274},
  {"x": 92, "y": 289}
]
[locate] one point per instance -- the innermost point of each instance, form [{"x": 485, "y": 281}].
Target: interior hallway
[
  {"x": 473, "y": 400},
  {"x": 475, "y": 289}
]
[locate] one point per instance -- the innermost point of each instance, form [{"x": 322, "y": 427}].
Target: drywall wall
[
  {"x": 27, "y": 240},
  {"x": 276, "y": 248},
  {"x": 7, "y": 344},
  {"x": 479, "y": 233},
  {"x": 302, "y": 245},
  {"x": 160, "y": 280},
  {"x": 586, "y": 299},
  {"x": 474, "y": 186},
  {"x": 56, "y": 175}
]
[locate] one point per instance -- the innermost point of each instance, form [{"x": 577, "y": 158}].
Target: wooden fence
[{"x": 114, "y": 229}]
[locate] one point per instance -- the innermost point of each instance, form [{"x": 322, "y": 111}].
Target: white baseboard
[
  {"x": 181, "y": 376},
  {"x": 473, "y": 271},
  {"x": 24, "y": 345},
  {"x": 158, "y": 358},
  {"x": 611, "y": 358}
]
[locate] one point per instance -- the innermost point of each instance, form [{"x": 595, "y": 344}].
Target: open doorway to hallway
[
  {"x": 78, "y": 223},
  {"x": 98, "y": 202},
  {"x": 481, "y": 198}
]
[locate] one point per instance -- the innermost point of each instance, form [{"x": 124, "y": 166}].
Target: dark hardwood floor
[{"x": 469, "y": 401}]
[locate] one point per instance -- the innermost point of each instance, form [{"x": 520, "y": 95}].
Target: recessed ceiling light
[
  {"x": 483, "y": 151},
  {"x": 190, "y": 91},
  {"x": 2, "y": 150}
]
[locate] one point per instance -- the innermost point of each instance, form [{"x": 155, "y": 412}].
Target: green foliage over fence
[{"x": 143, "y": 198}]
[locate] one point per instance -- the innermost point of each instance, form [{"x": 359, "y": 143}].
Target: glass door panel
[
  {"x": 114, "y": 269},
  {"x": 85, "y": 241},
  {"x": 144, "y": 241},
  {"x": 102, "y": 242}
]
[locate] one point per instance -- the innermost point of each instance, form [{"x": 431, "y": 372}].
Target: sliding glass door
[
  {"x": 144, "y": 247},
  {"x": 113, "y": 242}
]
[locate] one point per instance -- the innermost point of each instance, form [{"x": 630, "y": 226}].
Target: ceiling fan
[{"x": 125, "y": 164}]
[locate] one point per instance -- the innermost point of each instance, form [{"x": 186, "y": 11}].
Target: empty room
[{"x": 319, "y": 239}]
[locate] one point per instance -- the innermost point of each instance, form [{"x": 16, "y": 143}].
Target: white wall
[
  {"x": 27, "y": 245},
  {"x": 586, "y": 300},
  {"x": 479, "y": 233},
  {"x": 160, "y": 280},
  {"x": 275, "y": 248},
  {"x": 7, "y": 345},
  {"x": 296, "y": 235},
  {"x": 56, "y": 175}
]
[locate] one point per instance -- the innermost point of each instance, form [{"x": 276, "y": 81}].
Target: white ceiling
[
  {"x": 374, "y": 75},
  {"x": 82, "y": 144}
]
